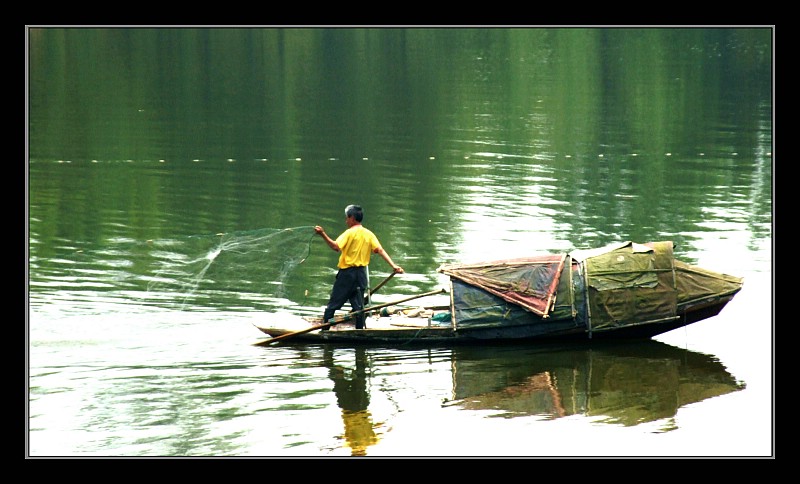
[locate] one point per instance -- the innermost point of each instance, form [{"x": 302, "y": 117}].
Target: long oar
[
  {"x": 375, "y": 289},
  {"x": 347, "y": 317}
]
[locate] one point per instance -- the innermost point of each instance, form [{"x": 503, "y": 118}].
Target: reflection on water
[
  {"x": 627, "y": 384},
  {"x": 352, "y": 395},
  {"x": 624, "y": 384}
]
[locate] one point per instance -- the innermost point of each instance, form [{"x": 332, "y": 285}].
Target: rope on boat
[{"x": 413, "y": 337}]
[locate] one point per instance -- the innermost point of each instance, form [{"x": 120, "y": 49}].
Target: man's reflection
[{"x": 350, "y": 386}]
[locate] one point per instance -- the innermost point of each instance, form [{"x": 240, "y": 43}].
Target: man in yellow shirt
[{"x": 356, "y": 245}]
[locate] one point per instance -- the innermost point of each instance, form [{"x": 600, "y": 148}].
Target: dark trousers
[{"x": 349, "y": 286}]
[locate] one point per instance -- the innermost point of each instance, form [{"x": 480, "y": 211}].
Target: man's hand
[{"x": 331, "y": 243}]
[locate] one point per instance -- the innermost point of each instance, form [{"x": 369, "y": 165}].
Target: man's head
[{"x": 354, "y": 211}]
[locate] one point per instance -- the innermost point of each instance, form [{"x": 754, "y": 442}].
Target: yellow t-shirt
[{"x": 357, "y": 245}]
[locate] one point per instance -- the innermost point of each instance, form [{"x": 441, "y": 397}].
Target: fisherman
[{"x": 356, "y": 245}]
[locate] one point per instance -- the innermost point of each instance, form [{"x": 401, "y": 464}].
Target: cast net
[
  {"x": 246, "y": 270},
  {"x": 221, "y": 269}
]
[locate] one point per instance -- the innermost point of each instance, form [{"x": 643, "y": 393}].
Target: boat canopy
[
  {"x": 621, "y": 284},
  {"x": 529, "y": 282}
]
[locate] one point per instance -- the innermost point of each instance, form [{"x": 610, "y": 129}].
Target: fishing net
[
  {"x": 238, "y": 270},
  {"x": 222, "y": 268}
]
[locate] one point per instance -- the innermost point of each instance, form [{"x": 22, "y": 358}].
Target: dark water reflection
[
  {"x": 352, "y": 395},
  {"x": 619, "y": 384},
  {"x": 624, "y": 384}
]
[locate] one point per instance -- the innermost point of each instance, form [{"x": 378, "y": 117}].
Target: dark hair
[{"x": 354, "y": 211}]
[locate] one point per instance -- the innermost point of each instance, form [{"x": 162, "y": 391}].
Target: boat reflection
[
  {"x": 618, "y": 383},
  {"x": 615, "y": 383}
]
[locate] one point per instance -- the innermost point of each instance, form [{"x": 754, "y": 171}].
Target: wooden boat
[{"x": 621, "y": 291}]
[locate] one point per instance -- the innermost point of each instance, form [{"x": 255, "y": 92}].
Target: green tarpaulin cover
[{"x": 624, "y": 283}]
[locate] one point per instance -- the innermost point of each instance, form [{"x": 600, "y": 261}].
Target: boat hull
[{"x": 387, "y": 331}]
